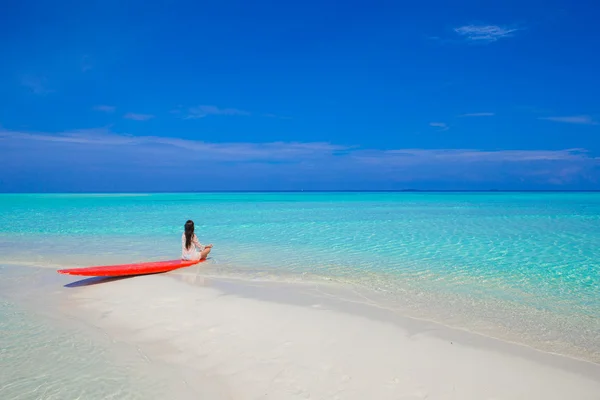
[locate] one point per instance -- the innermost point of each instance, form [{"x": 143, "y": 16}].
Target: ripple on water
[
  {"x": 525, "y": 266},
  {"x": 42, "y": 360}
]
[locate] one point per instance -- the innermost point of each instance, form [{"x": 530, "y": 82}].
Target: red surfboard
[{"x": 130, "y": 269}]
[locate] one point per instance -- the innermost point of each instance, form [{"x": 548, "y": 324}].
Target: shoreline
[
  {"x": 340, "y": 298},
  {"x": 408, "y": 303},
  {"x": 516, "y": 267},
  {"x": 288, "y": 340}
]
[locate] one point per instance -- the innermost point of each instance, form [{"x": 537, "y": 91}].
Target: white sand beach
[{"x": 231, "y": 339}]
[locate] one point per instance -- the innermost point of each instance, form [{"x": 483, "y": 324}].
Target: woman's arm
[
  {"x": 198, "y": 245},
  {"x": 196, "y": 242}
]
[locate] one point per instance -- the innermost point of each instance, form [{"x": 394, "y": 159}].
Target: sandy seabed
[{"x": 236, "y": 339}]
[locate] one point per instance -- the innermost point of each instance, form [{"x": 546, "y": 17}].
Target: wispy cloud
[
  {"x": 473, "y": 155},
  {"x": 105, "y": 108},
  {"x": 577, "y": 119},
  {"x": 484, "y": 33},
  {"x": 481, "y": 114},
  {"x": 223, "y": 151},
  {"x": 81, "y": 136},
  {"x": 138, "y": 117},
  {"x": 441, "y": 125},
  {"x": 294, "y": 150},
  {"x": 291, "y": 161},
  {"x": 36, "y": 84},
  {"x": 204, "y": 111}
]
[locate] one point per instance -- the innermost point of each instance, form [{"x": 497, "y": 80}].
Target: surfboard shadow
[{"x": 96, "y": 280}]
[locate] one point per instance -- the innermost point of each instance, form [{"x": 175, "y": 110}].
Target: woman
[{"x": 191, "y": 249}]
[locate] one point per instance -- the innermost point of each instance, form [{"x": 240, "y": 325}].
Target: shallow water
[
  {"x": 521, "y": 266},
  {"x": 47, "y": 354}
]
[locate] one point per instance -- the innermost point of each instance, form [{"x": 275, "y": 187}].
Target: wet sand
[{"x": 236, "y": 339}]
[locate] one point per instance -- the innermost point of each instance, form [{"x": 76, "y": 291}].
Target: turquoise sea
[{"x": 523, "y": 267}]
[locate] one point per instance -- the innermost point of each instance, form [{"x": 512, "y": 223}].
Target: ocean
[{"x": 523, "y": 267}]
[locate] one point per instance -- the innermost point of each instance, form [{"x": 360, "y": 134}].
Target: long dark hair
[{"x": 189, "y": 233}]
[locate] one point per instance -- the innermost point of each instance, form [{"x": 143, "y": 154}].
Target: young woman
[{"x": 191, "y": 249}]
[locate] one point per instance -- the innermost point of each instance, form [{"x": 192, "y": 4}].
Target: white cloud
[
  {"x": 481, "y": 114},
  {"x": 221, "y": 151},
  {"x": 484, "y": 33},
  {"x": 138, "y": 117},
  {"x": 96, "y": 149},
  {"x": 418, "y": 156},
  {"x": 203, "y": 111},
  {"x": 82, "y": 136},
  {"x": 104, "y": 108},
  {"x": 577, "y": 119},
  {"x": 442, "y": 125},
  {"x": 241, "y": 151}
]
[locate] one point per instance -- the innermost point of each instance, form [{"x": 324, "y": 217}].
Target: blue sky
[{"x": 266, "y": 95}]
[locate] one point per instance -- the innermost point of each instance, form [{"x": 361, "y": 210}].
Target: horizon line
[{"x": 326, "y": 191}]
